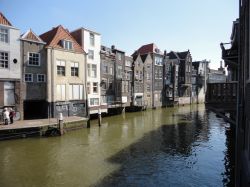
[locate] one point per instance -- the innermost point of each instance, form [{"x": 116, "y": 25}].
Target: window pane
[{"x": 70, "y": 92}]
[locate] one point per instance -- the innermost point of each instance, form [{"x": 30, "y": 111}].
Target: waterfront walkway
[{"x": 23, "y": 124}]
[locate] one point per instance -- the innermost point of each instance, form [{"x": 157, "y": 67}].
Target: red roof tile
[
  {"x": 145, "y": 49},
  {"x": 31, "y": 36},
  {"x": 54, "y": 36},
  {"x": 3, "y": 20}
]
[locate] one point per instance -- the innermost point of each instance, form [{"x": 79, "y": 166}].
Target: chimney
[{"x": 112, "y": 47}]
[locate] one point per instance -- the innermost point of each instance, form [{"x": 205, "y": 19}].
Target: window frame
[
  {"x": 37, "y": 77},
  {"x": 74, "y": 70},
  {"x": 4, "y": 34},
  {"x": 33, "y": 57},
  {"x": 3, "y": 61},
  {"x": 60, "y": 66},
  {"x": 30, "y": 77}
]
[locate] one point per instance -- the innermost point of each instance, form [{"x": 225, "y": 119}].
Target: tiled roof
[
  {"x": 149, "y": 48},
  {"x": 3, "y": 20},
  {"x": 55, "y": 35},
  {"x": 31, "y": 36}
]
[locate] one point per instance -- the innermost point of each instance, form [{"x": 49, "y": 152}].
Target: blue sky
[{"x": 197, "y": 25}]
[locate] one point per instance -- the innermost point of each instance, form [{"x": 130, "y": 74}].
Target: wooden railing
[{"x": 221, "y": 93}]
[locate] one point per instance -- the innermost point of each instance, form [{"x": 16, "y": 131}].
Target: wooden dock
[{"x": 39, "y": 127}]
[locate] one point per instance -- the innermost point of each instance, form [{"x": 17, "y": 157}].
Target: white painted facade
[
  {"x": 93, "y": 79},
  {"x": 12, "y": 48}
]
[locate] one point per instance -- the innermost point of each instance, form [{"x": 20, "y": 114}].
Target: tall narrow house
[
  {"x": 90, "y": 41},
  {"x": 155, "y": 66},
  {"x": 34, "y": 76},
  {"x": 10, "y": 67},
  {"x": 65, "y": 73}
]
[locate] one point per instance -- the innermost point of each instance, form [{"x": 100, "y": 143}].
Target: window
[
  {"x": 94, "y": 101},
  {"x": 74, "y": 69},
  {"x": 4, "y": 60},
  {"x": 92, "y": 39},
  {"x": 60, "y": 67},
  {"x": 94, "y": 71},
  {"x": 148, "y": 88},
  {"x": 160, "y": 73},
  {"x": 91, "y": 54},
  {"x": 88, "y": 87},
  {"x": 4, "y": 35},
  {"x": 60, "y": 92},
  {"x": 95, "y": 87},
  {"x": 105, "y": 68},
  {"x": 111, "y": 70},
  {"x": 28, "y": 77},
  {"x": 119, "y": 71},
  {"x": 119, "y": 56},
  {"x": 34, "y": 59},
  {"x": 104, "y": 84},
  {"x": 67, "y": 44},
  {"x": 41, "y": 78},
  {"x": 148, "y": 76},
  {"x": 141, "y": 75},
  {"x": 128, "y": 63},
  {"x": 158, "y": 61},
  {"x": 75, "y": 92},
  {"x": 89, "y": 70}
]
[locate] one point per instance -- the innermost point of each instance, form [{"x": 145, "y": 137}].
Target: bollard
[
  {"x": 99, "y": 117},
  {"x": 61, "y": 123}
]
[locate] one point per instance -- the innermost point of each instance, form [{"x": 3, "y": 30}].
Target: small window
[
  {"x": 94, "y": 71},
  {"x": 91, "y": 54},
  {"x": 74, "y": 69},
  {"x": 95, "y": 87},
  {"x": 41, "y": 78},
  {"x": 92, "y": 39},
  {"x": 61, "y": 68},
  {"x": 88, "y": 87},
  {"x": 4, "y": 35},
  {"x": 34, "y": 59},
  {"x": 67, "y": 44},
  {"x": 94, "y": 101},
  {"x": 119, "y": 56},
  {"x": 4, "y": 60},
  {"x": 28, "y": 77}
]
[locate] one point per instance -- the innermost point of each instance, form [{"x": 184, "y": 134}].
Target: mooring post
[
  {"x": 99, "y": 117},
  {"x": 61, "y": 123}
]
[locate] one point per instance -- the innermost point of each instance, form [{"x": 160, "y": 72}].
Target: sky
[{"x": 173, "y": 25}]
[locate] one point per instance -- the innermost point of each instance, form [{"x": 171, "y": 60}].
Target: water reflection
[{"x": 186, "y": 146}]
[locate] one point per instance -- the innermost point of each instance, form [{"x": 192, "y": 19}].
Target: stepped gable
[
  {"x": 4, "y": 20},
  {"x": 55, "y": 35}
]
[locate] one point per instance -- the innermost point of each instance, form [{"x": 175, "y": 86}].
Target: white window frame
[
  {"x": 30, "y": 77},
  {"x": 74, "y": 65},
  {"x": 61, "y": 63},
  {"x": 41, "y": 75},
  {"x": 3, "y": 34},
  {"x": 61, "y": 94},
  {"x": 92, "y": 39},
  {"x": 95, "y": 87},
  {"x": 66, "y": 44},
  {"x": 94, "y": 104},
  {"x": 4, "y": 61},
  {"x": 29, "y": 53},
  {"x": 73, "y": 89},
  {"x": 91, "y": 54}
]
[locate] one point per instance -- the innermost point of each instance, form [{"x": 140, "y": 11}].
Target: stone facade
[{"x": 34, "y": 76}]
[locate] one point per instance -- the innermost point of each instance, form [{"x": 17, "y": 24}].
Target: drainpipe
[{"x": 86, "y": 92}]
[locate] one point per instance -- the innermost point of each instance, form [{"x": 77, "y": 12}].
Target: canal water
[{"x": 185, "y": 146}]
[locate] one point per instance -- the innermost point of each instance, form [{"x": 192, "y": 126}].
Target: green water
[{"x": 185, "y": 146}]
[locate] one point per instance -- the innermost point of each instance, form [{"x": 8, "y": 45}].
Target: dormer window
[{"x": 67, "y": 44}]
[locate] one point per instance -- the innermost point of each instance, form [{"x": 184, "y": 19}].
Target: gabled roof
[
  {"x": 55, "y": 35},
  {"x": 183, "y": 55},
  {"x": 172, "y": 55},
  {"x": 148, "y": 48},
  {"x": 32, "y": 37},
  {"x": 3, "y": 20}
]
